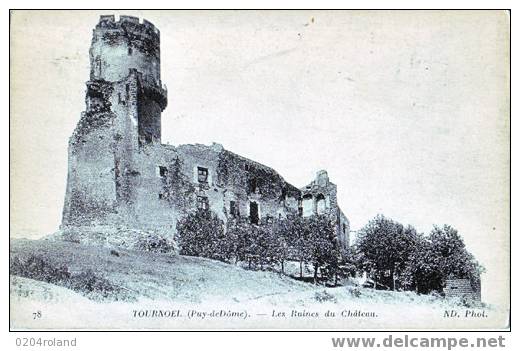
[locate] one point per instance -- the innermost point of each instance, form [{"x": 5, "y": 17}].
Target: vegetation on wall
[
  {"x": 177, "y": 188},
  {"x": 233, "y": 170},
  {"x": 86, "y": 212}
]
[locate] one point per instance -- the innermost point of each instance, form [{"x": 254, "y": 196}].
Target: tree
[
  {"x": 437, "y": 257},
  {"x": 262, "y": 248},
  {"x": 384, "y": 247},
  {"x": 298, "y": 235},
  {"x": 307, "y": 240},
  {"x": 422, "y": 272},
  {"x": 322, "y": 244},
  {"x": 280, "y": 246},
  {"x": 342, "y": 267},
  {"x": 310, "y": 240},
  {"x": 455, "y": 259},
  {"x": 264, "y": 245},
  {"x": 452, "y": 256},
  {"x": 201, "y": 233},
  {"x": 239, "y": 233}
]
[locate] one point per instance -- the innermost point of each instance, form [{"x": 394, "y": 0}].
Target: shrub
[
  {"x": 154, "y": 243},
  {"x": 324, "y": 296},
  {"x": 114, "y": 253},
  {"x": 355, "y": 292},
  {"x": 263, "y": 246},
  {"x": 88, "y": 283},
  {"x": 37, "y": 268},
  {"x": 95, "y": 286},
  {"x": 201, "y": 234},
  {"x": 468, "y": 302}
]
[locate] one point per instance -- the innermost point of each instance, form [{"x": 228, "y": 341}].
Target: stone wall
[
  {"x": 120, "y": 175},
  {"x": 462, "y": 288},
  {"x": 231, "y": 183},
  {"x": 118, "y": 46},
  {"x": 320, "y": 198}
]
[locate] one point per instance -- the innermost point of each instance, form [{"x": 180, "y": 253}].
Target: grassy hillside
[
  {"x": 159, "y": 276},
  {"x": 143, "y": 280}
]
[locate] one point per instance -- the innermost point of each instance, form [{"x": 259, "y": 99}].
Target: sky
[{"x": 407, "y": 111}]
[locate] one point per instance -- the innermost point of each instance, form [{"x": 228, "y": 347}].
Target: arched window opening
[
  {"x": 307, "y": 205},
  {"x": 320, "y": 204}
]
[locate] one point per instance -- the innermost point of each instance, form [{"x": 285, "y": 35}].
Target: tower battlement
[
  {"x": 118, "y": 46},
  {"x": 109, "y": 21}
]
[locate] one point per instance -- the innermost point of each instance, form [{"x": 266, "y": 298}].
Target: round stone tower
[
  {"x": 126, "y": 54},
  {"x": 126, "y": 44},
  {"x": 120, "y": 127}
]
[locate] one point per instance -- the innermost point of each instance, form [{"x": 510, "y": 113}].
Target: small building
[{"x": 462, "y": 288}]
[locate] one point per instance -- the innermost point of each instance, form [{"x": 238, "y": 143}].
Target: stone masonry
[
  {"x": 120, "y": 174},
  {"x": 462, "y": 288}
]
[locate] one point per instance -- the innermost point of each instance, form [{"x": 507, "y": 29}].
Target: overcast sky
[{"x": 407, "y": 111}]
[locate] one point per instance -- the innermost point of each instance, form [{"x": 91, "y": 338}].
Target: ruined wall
[
  {"x": 118, "y": 46},
  {"x": 121, "y": 47},
  {"x": 229, "y": 184},
  {"x": 248, "y": 181},
  {"x": 191, "y": 159},
  {"x": 149, "y": 119},
  {"x": 124, "y": 101},
  {"x": 320, "y": 198},
  {"x": 343, "y": 229},
  {"x": 462, "y": 288},
  {"x": 91, "y": 191},
  {"x": 153, "y": 205},
  {"x": 120, "y": 175}
]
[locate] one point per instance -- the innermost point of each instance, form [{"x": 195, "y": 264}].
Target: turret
[
  {"x": 118, "y": 46},
  {"x": 322, "y": 178},
  {"x": 124, "y": 51}
]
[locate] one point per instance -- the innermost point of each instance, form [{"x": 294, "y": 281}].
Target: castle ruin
[{"x": 120, "y": 174}]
